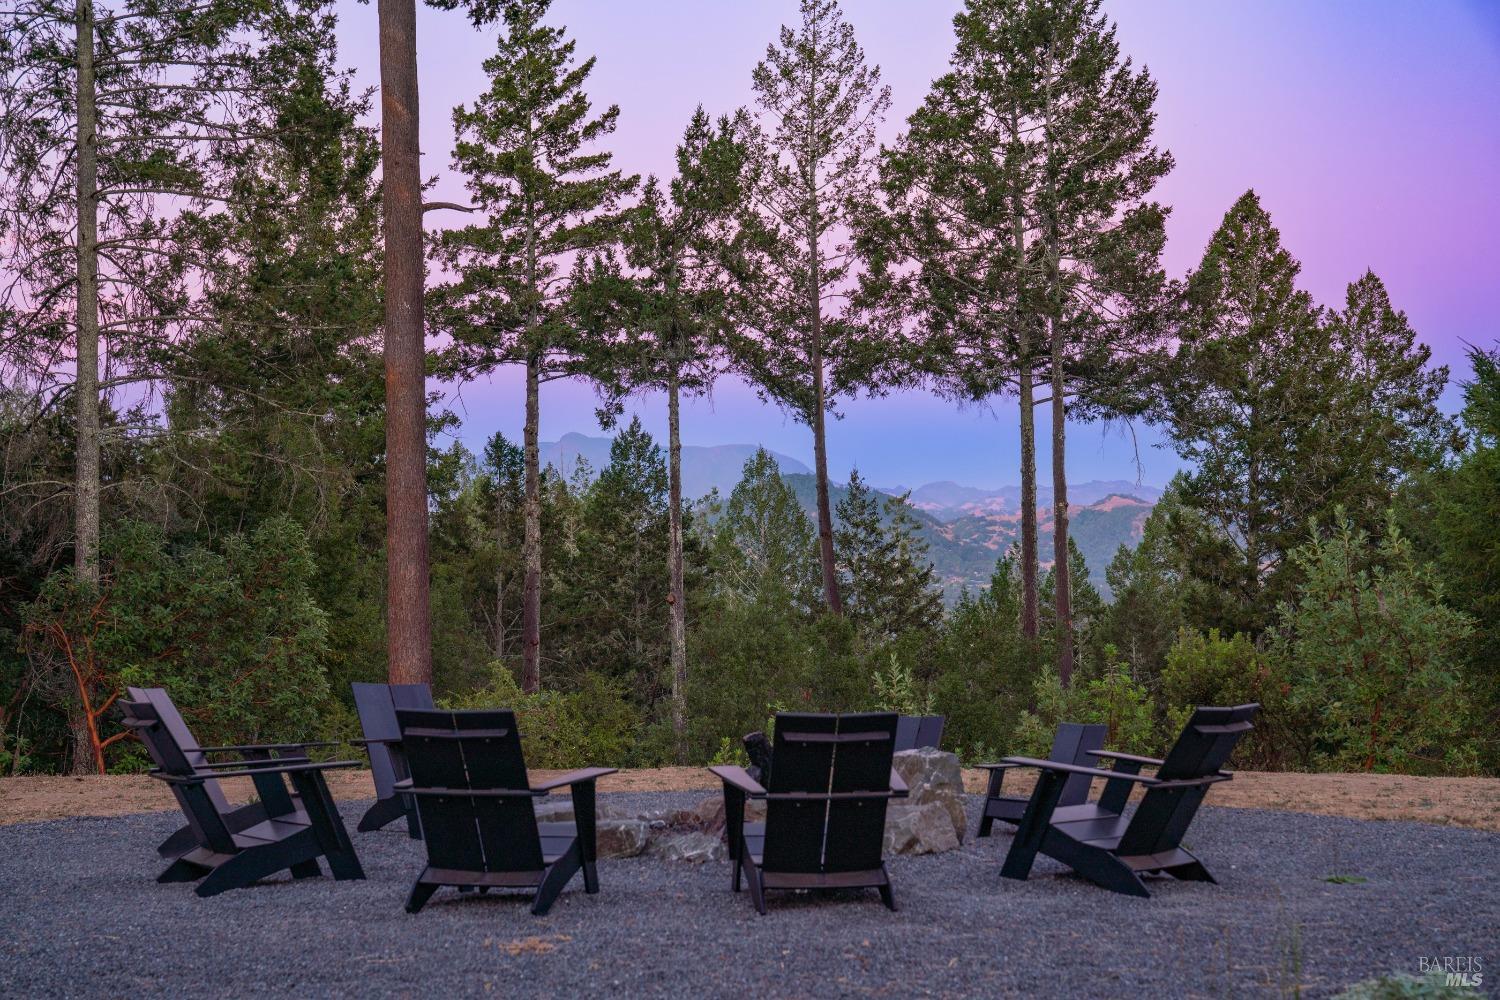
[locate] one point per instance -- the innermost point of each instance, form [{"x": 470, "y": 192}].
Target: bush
[
  {"x": 593, "y": 725},
  {"x": 1208, "y": 669},
  {"x": 1114, "y": 699},
  {"x": 1374, "y": 656},
  {"x": 1430, "y": 987}
]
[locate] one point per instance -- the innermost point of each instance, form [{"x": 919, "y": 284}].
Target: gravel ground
[{"x": 84, "y": 917}]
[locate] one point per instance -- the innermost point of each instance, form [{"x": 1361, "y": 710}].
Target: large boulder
[
  {"x": 708, "y": 815},
  {"x": 921, "y": 828},
  {"x": 694, "y": 846},
  {"x": 936, "y": 785},
  {"x": 622, "y": 838}
]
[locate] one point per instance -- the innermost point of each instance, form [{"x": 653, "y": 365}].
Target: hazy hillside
[
  {"x": 966, "y": 528},
  {"x": 704, "y": 467}
]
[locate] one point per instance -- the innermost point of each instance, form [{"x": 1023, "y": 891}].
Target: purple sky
[{"x": 1369, "y": 128}]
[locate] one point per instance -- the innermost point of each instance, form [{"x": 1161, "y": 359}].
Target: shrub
[
  {"x": 1114, "y": 699},
  {"x": 1374, "y": 655},
  {"x": 595, "y": 724},
  {"x": 1208, "y": 669}
]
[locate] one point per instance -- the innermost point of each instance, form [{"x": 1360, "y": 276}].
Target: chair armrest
[
  {"x": 259, "y": 764},
  {"x": 1115, "y": 755},
  {"x": 293, "y": 768},
  {"x": 1092, "y": 772},
  {"x": 732, "y": 774},
  {"x": 407, "y": 788},
  {"x": 898, "y": 786},
  {"x": 269, "y": 746},
  {"x": 369, "y": 741},
  {"x": 575, "y": 777},
  {"x": 1002, "y": 766}
]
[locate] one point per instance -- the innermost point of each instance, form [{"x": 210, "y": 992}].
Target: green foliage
[
  {"x": 888, "y": 584},
  {"x": 234, "y": 634},
  {"x": 1208, "y": 669},
  {"x": 982, "y": 670},
  {"x": 1373, "y": 655},
  {"x": 592, "y": 725},
  {"x": 896, "y": 690},
  {"x": 1113, "y": 699},
  {"x": 1466, "y": 499},
  {"x": 1284, "y": 412}
]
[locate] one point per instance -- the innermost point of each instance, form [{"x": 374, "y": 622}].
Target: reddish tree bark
[{"x": 409, "y": 630}]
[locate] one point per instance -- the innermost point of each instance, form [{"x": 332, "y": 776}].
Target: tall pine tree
[
  {"x": 1020, "y": 193},
  {"x": 820, "y": 104},
  {"x": 528, "y": 148},
  {"x": 889, "y": 587}
]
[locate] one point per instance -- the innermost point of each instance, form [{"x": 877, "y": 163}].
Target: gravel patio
[{"x": 84, "y": 916}]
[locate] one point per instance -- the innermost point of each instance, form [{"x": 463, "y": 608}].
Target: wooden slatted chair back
[
  {"x": 203, "y": 814},
  {"x": 181, "y": 735},
  {"x": 1202, "y": 750},
  {"x": 815, "y": 821},
  {"x": 377, "y": 705},
  {"x": 1069, "y": 746},
  {"x": 472, "y": 751},
  {"x": 861, "y": 763}
]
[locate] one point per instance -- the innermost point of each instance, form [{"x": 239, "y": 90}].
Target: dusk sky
[{"x": 1370, "y": 130}]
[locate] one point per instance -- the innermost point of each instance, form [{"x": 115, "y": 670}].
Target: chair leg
[
  {"x": 738, "y": 866},
  {"x": 382, "y": 812},
  {"x": 757, "y": 889},
  {"x": 249, "y": 867},
  {"x": 183, "y": 871},
  {"x": 420, "y": 893},
  {"x": 1034, "y": 826},
  {"x": 327, "y": 826},
  {"x": 887, "y": 893},
  {"x": 1193, "y": 871},
  {"x": 555, "y": 879},
  {"x": 307, "y": 869},
  {"x": 178, "y": 844},
  {"x": 590, "y": 877},
  {"x": 986, "y": 823}
]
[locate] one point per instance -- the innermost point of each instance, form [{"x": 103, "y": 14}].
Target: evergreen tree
[
  {"x": 1283, "y": 413},
  {"x": 1020, "y": 195},
  {"x": 121, "y": 127},
  {"x": 668, "y": 315},
  {"x": 1468, "y": 540},
  {"x": 888, "y": 586},
  {"x": 1146, "y": 583},
  {"x": 763, "y": 542},
  {"x": 528, "y": 147},
  {"x": 814, "y": 153},
  {"x": 619, "y": 580}
]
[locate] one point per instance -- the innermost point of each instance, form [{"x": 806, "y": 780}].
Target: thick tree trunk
[
  {"x": 408, "y": 621},
  {"x": 531, "y": 547},
  {"x": 1060, "y": 568},
  {"x": 1029, "y": 559},
  {"x": 86, "y": 384},
  {"x": 676, "y": 596}
]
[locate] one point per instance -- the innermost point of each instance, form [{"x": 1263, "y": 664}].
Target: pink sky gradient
[{"x": 1369, "y": 128}]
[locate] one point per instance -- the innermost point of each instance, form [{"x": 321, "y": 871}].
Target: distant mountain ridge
[
  {"x": 704, "y": 467},
  {"x": 967, "y": 528}
]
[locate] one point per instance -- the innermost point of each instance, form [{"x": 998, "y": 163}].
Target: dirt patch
[{"x": 1466, "y": 802}]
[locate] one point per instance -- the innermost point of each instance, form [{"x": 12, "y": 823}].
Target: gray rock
[
  {"x": 919, "y": 828},
  {"x": 695, "y": 846},
  {"x": 622, "y": 838},
  {"x": 931, "y": 819}
]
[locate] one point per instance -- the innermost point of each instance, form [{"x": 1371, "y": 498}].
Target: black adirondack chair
[
  {"x": 377, "y": 705},
  {"x": 1073, "y": 743},
  {"x": 830, "y": 781},
  {"x": 236, "y": 819},
  {"x": 288, "y": 839},
  {"x": 469, "y": 781},
  {"x": 916, "y": 731},
  {"x": 1102, "y": 844}
]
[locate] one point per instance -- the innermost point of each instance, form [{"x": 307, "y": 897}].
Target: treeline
[{"x": 195, "y": 453}]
